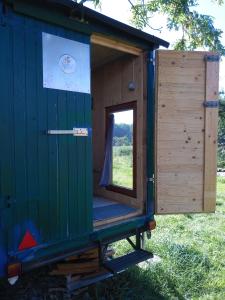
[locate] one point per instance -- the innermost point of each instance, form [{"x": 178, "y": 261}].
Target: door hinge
[
  {"x": 212, "y": 58},
  {"x": 211, "y": 103},
  {"x": 150, "y": 60},
  {"x": 151, "y": 179}
]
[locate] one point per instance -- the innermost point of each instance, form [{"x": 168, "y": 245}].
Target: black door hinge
[
  {"x": 211, "y": 104},
  {"x": 212, "y": 58}
]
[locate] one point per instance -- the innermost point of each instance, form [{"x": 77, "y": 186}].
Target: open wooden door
[{"x": 186, "y": 131}]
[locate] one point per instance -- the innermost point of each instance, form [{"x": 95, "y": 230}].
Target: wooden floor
[{"x": 104, "y": 209}]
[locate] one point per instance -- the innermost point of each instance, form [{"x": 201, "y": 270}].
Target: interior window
[{"x": 122, "y": 120}]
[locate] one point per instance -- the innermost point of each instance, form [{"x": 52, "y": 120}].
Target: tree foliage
[
  {"x": 123, "y": 134},
  {"x": 197, "y": 30}
]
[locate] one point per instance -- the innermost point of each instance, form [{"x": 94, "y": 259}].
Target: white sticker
[
  {"x": 66, "y": 64},
  {"x": 80, "y": 131}
]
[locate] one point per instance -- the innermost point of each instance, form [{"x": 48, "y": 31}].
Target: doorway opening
[{"x": 118, "y": 135}]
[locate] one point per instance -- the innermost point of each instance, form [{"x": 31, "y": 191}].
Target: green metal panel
[
  {"x": 150, "y": 132},
  {"x": 120, "y": 229},
  {"x": 47, "y": 180},
  {"x": 6, "y": 167}
]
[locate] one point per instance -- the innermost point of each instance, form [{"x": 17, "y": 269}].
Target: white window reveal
[{"x": 66, "y": 64}]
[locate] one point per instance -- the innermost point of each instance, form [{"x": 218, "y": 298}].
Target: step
[{"x": 120, "y": 264}]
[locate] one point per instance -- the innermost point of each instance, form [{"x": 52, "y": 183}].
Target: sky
[
  {"x": 120, "y": 10},
  {"x": 124, "y": 117}
]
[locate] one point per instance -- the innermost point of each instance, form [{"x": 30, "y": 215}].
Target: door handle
[{"x": 74, "y": 132}]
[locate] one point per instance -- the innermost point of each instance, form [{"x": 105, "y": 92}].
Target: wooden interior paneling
[
  {"x": 110, "y": 87},
  {"x": 115, "y": 44},
  {"x": 101, "y": 55},
  {"x": 182, "y": 150}
]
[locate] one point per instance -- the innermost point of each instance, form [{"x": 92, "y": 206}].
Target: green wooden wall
[{"x": 45, "y": 181}]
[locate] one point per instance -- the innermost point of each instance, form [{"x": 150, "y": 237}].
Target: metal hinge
[
  {"x": 151, "y": 179},
  {"x": 211, "y": 103},
  {"x": 212, "y": 58},
  {"x": 150, "y": 60}
]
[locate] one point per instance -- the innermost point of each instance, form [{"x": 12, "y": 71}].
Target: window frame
[{"x": 120, "y": 108}]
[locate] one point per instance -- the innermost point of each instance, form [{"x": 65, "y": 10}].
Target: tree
[
  {"x": 197, "y": 30},
  {"x": 123, "y": 134}
]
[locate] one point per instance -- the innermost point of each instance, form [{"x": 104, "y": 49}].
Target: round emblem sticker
[{"x": 67, "y": 64}]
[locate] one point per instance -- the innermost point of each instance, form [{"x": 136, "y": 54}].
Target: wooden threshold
[
  {"x": 115, "y": 44},
  {"x": 112, "y": 221}
]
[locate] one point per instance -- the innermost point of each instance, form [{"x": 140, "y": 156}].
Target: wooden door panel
[{"x": 186, "y": 131}]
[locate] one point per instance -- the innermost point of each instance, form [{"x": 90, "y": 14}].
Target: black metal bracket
[
  {"x": 102, "y": 252},
  {"x": 131, "y": 243},
  {"x": 139, "y": 241},
  {"x": 211, "y": 104},
  {"x": 212, "y": 58}
]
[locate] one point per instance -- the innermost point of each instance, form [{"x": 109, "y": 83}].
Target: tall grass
[
  {"x": 123, "y": 166},
  {"x": 192, "y": 266}
]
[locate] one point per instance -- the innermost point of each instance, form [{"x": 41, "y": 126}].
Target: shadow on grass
[
  {"x": 132, "y": 284},
  {"x": 181, "y": 274}
]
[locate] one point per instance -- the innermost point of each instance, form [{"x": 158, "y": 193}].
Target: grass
[
  {"x": 123, "y": 166},
  {"x": 192, "y": 266}
]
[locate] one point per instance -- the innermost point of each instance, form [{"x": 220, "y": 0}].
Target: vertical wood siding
[
  {"x": 186, "y": 132},
  {"x": 47, "y": 178}
]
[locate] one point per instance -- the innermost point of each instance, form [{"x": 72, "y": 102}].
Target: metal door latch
[{"x": 74, "y": 132}]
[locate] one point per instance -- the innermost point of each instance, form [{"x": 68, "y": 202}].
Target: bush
[
  {"x": 122, "y": 150},
  {"x": 121, "y": 141},
  {"x": 221, "y": 157}
]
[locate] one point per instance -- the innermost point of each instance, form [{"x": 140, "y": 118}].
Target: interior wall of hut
[{"x": 110, "y": 86}]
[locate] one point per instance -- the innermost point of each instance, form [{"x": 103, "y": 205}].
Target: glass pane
[{"x": 122, "y": 170}]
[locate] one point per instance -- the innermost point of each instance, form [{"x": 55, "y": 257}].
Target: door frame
[{"x": 150, "y": 126}]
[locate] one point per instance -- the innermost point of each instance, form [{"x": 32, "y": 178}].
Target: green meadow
[{"x": 191, "y": 249}]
